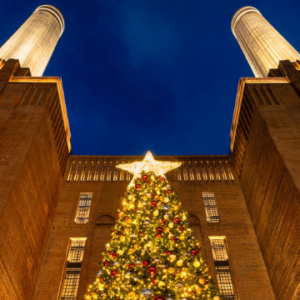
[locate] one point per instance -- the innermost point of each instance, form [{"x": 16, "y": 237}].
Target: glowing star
[{"x": 149, "y": 164}]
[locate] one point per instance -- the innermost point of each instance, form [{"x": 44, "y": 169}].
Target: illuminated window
[
  {"x": 217, "y": 172},
  {"x": 178, "y": 174},
  {"x": 223, "y": 172},
  {"x": 128, "y": 175},
  {"x": 211, "y": 176},
  {"x": 72, "y": 276},
  {"x": 71, "y": 283},
  {"x": 122, "y": 173},
  {"x": 83, "y": 172},
  {"x": 185, "y": 177},
  {"x": 191, "y": 172},
  {"x": 224, "y": 278},
  {"x": 71, "y": 171},
  {"x": 211, "y": 209},
  {"x": 109, "y": 172},
  {"x": 83, "y": 210},
  {"x": 77, "y": 172},
  {"x": 89, "y": 177},
  {"x": 197, "y": 172},
  {"x": 97, "y": 172},
  {"x": 115, "y": 178},
  {"x": 229, "y": 172},
  {"x": 103, "y": 172},
  {"x": 203, "y": 172}
]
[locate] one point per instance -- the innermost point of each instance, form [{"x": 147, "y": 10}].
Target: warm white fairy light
[{"x": 149, "y": 164}]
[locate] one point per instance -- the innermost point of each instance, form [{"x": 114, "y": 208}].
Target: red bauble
[
  {"x": 101, "y": 279},
  {"x": 159, "y": 230},
  {"x": 148, "y": 182},
  {"x": 159, "y": 297},
  {"x": 177, "y": 220},
  {"x": 138, "y": 186},
  {"x": 99, "y": 269},
  {"x": 145, "y": 177},
  {"x": 150, "y": 216},
  {"x": 158, "y": 236},
  {"x": 162, "y": 179},
  {"x": 153, "y": 203},
  {"x": 106, "y": 263},
  {"x": 115, "y": 255},
  {"x": 162, "y": 222},
  {"x": 145, "y": 263},
  {"x": 194, "y": 252},
  {"x": 168, "y": 252},
  {"x": 152, "y": 195},
  {"x": 174, "y": 239},
  {"x": 169, "y": 191},
  {"x": 152, "y": 270},
  {"x": 114, "y": 273},
  {"x": 181, "y": 228},
  {"x": 131, "y": 266},
  {"x": 96, "y": 290},
  {"x": 119, "y": 214},
  {"x": 154, "y": 281},
  {"x": 141, "y": 233}
]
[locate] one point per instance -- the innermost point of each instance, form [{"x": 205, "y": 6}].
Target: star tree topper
[{"x": 149, "y": 164}]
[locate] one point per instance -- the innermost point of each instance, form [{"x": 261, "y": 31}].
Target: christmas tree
[{"x": 153, "y": 253}]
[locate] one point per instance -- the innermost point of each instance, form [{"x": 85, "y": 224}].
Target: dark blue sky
[{"x": 157, "y": 75}]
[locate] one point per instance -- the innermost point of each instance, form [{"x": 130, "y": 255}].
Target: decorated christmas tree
[{"x": 153, "y": 253}]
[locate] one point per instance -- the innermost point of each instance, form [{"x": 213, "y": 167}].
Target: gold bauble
[
  {"x": 122, "y": 238},
  {"x": 176, "y": 207},
  {"x": 131, "y": 295},
  {"x": 130, "y": 251},
  {"x": 180, "y": 262},
  {"x": 167, "y": 229},
  {"x": 201, "y": 280},
  {"x": 156, "y": 213},
  {"x": 172, "y": 257},
  {"x": 171, "y": 270},
  {"x": 171, "y": 225},
  {"x": 216, "y": 298},
  {"x": 161, "y": 284},
  {"x": 181, "y": 237},
  {"x": 196, "y": 264}
]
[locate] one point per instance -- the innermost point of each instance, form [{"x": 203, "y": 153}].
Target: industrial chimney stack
[
  {"x": 34, "y": 42},
  {"x": 261, "y": 43}
]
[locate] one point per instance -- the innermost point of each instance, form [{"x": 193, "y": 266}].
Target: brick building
[{"x": 57, "y": 210}]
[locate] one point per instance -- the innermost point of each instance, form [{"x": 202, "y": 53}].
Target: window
[
  {"x": 109, "y": 172},
  {"x": 115, "y": 178},
  {"x": 203, "y": 171},
  {"x": 224, "y": 278},
  {"x": 89, "y": 177},
  {"x": 229, "y": 172},
  {"x": 217, "y": 172},
  {"x": 71, "y": 171},
  {"x": 83, "y": 172},
  {"x": 223, "y": 172},
  {"x": 72, "y": 276},
  {"x": 185, "y": 177},
  {"x": 77, "y": 172},
  {"x": 83, "y": 210},
  {"x": 197, "y": 172},
  {"x": 191, "y": 172},
  {"x": 122, "y": 173},
  {"x": 178, "y": 174},
  {"x": 211, "y": 176},
  {"x": 97, "y": 171},
  {"x": 211, "y": 209},
  {"x": 103, "y": 172}
]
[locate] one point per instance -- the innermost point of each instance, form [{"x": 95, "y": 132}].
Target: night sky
[{"x": 157, "y": 75}]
